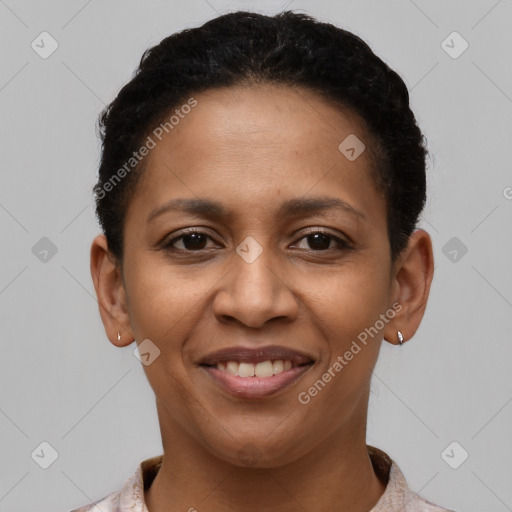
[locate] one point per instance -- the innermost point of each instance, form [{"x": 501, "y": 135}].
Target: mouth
[{"x": 256, "y": 373}]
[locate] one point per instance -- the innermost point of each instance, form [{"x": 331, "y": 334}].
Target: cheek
[
  {"x": 348, "y": 299},
  {"x": 161, "y": 310},
  {"x": 346, "y": 309},
  {"x": 161, "y": 299}
]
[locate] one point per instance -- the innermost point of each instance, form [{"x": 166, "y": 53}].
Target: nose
[{"x": 253, "y": 293}]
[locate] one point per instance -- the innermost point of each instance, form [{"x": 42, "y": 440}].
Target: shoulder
[
  {"x": 419, "y": 504},
  {"x": 397, "y": 497},
  {"x": 109, "y": 503},
  {"x": 131, "y": 495},
  {"x": 401, "y": 495}
]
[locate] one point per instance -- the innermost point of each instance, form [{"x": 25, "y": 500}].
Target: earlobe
[
  {"x": 411, "y": 286},
  {"x": 106, "y": 276}
]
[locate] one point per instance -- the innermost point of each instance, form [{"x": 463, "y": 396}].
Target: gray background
[{"x": 62, "y": 382}]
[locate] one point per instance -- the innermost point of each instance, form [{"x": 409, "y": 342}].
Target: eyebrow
[{"x": 290, "y": 208}]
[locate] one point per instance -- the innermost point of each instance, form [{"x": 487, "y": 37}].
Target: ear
[
  {"x": 411, "y": 280},
  {"x": 108, "y": 282}
]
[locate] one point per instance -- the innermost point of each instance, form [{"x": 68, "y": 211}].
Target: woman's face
[{"x": 256, "y": 276}]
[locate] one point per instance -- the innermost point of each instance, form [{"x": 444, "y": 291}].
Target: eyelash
[{"x": 342, "y": 244}]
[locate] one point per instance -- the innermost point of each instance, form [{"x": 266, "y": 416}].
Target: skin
[{"x": 251, "y": 149}]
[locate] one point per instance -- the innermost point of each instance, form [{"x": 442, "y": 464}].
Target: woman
[{"x": 259, "y": 189}]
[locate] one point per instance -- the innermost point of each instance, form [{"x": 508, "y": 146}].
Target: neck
[{"x": 336, "y": 475}]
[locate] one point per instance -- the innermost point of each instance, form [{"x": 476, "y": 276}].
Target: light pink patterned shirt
[{"x": 396, "y": 498}]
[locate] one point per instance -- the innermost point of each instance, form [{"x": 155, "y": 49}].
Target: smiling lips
[
  {"x": 263, "y": 369},
  {"x": 256, "y": 373}
]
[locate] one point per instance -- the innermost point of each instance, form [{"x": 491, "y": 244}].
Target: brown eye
[
  {"x": 192, "y": 241},
  {"x": 315, "y": 240},
  {"x": 321, "y": 241}
]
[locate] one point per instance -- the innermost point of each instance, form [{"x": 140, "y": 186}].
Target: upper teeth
[{"x": 263, "y": 369}]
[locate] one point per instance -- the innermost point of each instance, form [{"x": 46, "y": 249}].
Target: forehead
[
  {"x": 275, "y": 115},
  {"x": 244, "y": 140}
]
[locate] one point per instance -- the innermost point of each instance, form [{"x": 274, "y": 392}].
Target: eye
[
  {"x": 194, "y": 241},
  {"x": 191, "y": 241},
  {"x": 320, "y": 240}
]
